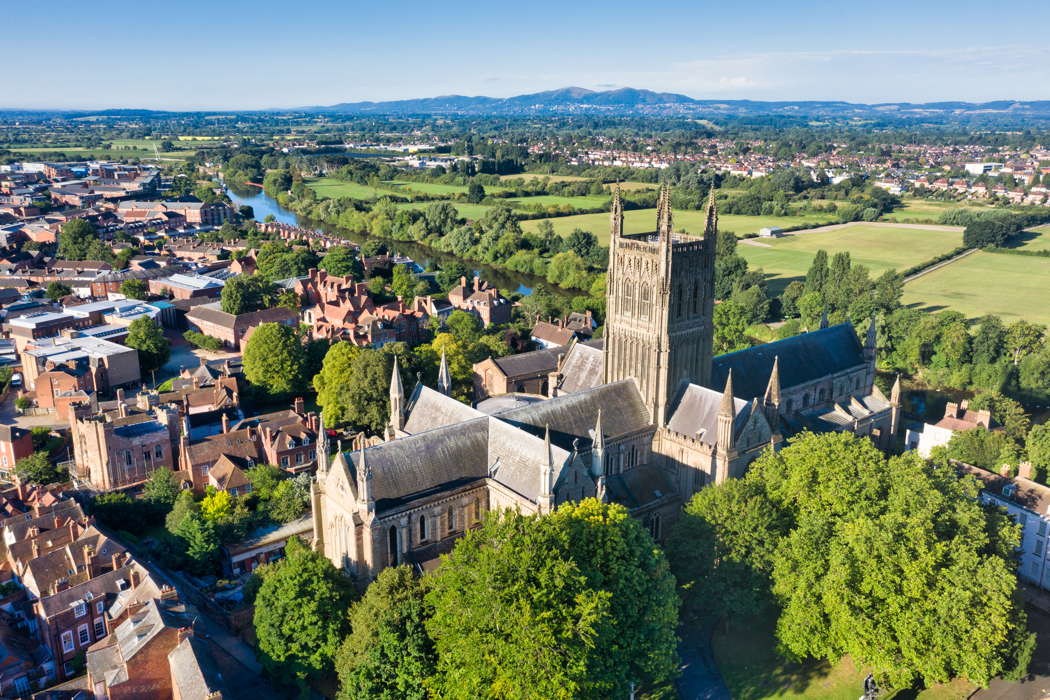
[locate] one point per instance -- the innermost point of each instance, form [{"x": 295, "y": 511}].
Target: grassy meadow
[
  {"x": 923, "y": 210},
  {"x": 1011, "y": 286},
  {"x": 641, "y": 220},
  {"x": 879, "y": 248}
]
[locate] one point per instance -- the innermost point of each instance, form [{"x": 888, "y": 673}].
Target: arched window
[
  {"x": 823, "y": 395},
  {"x": 805, "y": 401},
  {"x": 628, "y": 297},
  {"x": 476, "y": 510},
  {"x": 451, "y": 519},
  {"x": 696, "y": 296},
  {"x": 392, "y": 544},
  {"x": 644, "y": 302},
  {"x": 422, "y": 528}
]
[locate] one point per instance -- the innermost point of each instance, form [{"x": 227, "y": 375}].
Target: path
[
  {"x": 700, "y": 679},
  {"x": 941, "y": 264},
  {"x": 1037, "y": 685}
]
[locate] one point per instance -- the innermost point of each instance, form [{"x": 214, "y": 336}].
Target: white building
[
  {"x": 1028, "y": 504},
  {"x": 982, "y": 168}
]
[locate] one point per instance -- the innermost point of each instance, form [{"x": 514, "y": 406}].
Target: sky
[{"x": 239, "y": 54}]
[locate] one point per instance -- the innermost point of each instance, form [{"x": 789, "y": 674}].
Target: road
[{"x": 1037, "y": 685}]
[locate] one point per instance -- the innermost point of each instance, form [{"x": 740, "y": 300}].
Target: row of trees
[{"x": 578, "y": 604}]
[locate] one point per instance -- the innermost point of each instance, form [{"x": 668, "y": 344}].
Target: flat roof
[
  {"x": 62, "y": 349},
  {"x": 34, "y": 320}
]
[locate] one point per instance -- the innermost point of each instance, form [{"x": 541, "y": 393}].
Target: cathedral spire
[
  {"x": 598, "y": 449},
  {"x": 321, "y": 447},
  {"x": 616, "y": 227},
  {"x": 663, "y": 213},
  {"x": 546, "y": 496},
  {"x": 871, "y": 343},
  {"x": 444, "y": 378},
  {"x": 397, "y": 403},
  {"x": 726, "y": 413},
  {"x": 364, "y": 479},
  {"x": 772, "y": 396},
  {"x": 711, "y": 226}
]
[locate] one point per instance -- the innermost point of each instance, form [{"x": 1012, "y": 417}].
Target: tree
[
  {"x": 246, "y": 293},
  {"x": 277, "y": 261},
  {"x": 352, "y": 386},
  {"x": 989, "y": 341},
  {"x": 76, "y": 239},
  {"x": 979, "y": 447},
  {"x": 38, "y": 469},
  {"x": 1006, "y": 412},
  {"x": 289, "y": 500},
  {"x": 57, "y": 290},
  {"x": 730, "y": 328},
  {"x": 185, "y": 505},
  {"x": 407, "y": 284},
  {"x": 890, "y": 560},
  {"x": 388, "y": 654},
  {"x": 1024, "y": 338},
  {"x": 341, "y": 260},
  {"x": 134, "y": 289},
  {"x": 275, "y": 360},
  {"x": 1037, "y": 446},
  {"x": 817, "y": 277},
  {"x": 162, "y": 488},
  {"x": 216, "y": 506},
  {"x": 465, "y": 327},
  {"x": 201, "y": 542},
  {"x": 578, "y": 604},
  {"x": 264, "y": 478},
  {"x": 300, "y": 613},
  {"x": 147, "y": 337},
  {"x": 475, "y": 193}
]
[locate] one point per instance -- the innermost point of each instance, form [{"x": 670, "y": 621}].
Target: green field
[
  {"x": 555, "y": 200},
  {"x": 465, "y": 209},
  {"x": 543, "y": 176},
  {"x": 330, "y": 187},
  {"x": 1035, "y": 239},
  {"x": 641, "y": 220},
  {"x": 425, "y": 187},
  {"x": 879, "y": 248},
  {"x": 1011, "y": 286},
  {"x": 922, "y": 210}
]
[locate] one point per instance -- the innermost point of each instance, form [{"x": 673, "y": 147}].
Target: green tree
[
  {"x": 388, "y": 654},
  {"x": 147, "y": 337},
  {"x": 216, "y": 506},
  {"x": 264, "y": 478},
  {"x": 579, "y": 604},
  {"x": 277, "y": 261},
  {"x": 1024, "y": 338},
  {"x": 246, "y": 293},
  {"x": 465, "y": 327},
  {"x": 989, "y": 341},
  {"x": 332, "y": 383},
  {"x": 300, "y": 614},
  {"x": 1037, "y": 446},
  {"x": 730, "y": 328},
  {"x": 134, "y": 289},
  {"x": 184, "y": 506},
  {"x": 201, "y": 542},
  {"x": 38, "y": 469},
  {"x": 289, "y": 501},
  {"x": 162, "y": 488},
  {"x": 57, "y": 290},
  {"x": 1006, "y": 412},
  {"x": 979, "y": 447},
  {"x": 341, "y": 260},
  {"x": 275, "y": 359},
  {"x": 76, "y": 240},
  {"x": 817, "y": 277},
  {"x": 475, "y": 193}
]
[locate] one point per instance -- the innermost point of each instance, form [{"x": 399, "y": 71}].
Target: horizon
[{"x": 241, "y": 56}]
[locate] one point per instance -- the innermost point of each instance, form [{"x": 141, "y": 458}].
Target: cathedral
[{"x": 644, "y": 418}]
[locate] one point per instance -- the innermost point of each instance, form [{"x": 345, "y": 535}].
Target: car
[{"x": 16, "y": 379}]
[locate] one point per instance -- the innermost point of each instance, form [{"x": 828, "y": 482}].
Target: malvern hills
[{"x": 647, "y": 102}]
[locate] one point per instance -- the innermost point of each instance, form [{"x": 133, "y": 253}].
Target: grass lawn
[
  {"x": 330, "y": 187},
  {"x": 466, "y": 210},
  {"x": 923, "y": 210},
  {"x": 752, "y": 670},
  {"x": 1037, "y": 238},
  {"x": 556, "y": 200},
  {"x": 1011, "y": 286},
  {"x": 641, "y": 220},
  {"x": 425, "y": 187},
  {"x": 879, "y": 248}
]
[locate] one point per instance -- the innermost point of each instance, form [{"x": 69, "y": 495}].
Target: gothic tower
[{"x": 658, "y": 326}]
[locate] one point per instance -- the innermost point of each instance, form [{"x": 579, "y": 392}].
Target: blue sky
[{"x": 190, "y": 54}]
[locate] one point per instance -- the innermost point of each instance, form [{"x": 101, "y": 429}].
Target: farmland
[
  {"x": 641, "y": 220},
  {"x": 1011, "y": 286},
  {"x": 923, "y": 210}
]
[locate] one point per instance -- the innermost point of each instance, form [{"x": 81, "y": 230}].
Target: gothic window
[
  {"x": 678, "y": 301},
  {"x": 392, "y": 544},
  {"x": 451, "y": 519},
  {"x": 628, "y": 298},
  {"x": 644, "y": 302},
  {"x": 422, "y": 528},
  {"x": 790, "y": 405},
  {"x": 805, "y": 401},
  {"x": 476, "y": 510},
  {"x": 158, "y": 452},
  {"x": 696, "y": 296},
  {"x": 128, "y": 459},
  {"x": 823, "y": 395}
]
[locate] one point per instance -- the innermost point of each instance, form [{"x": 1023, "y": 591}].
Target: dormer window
[
  {"x": 79, "y": 609},
  {"x": 1009, "y": 490}
]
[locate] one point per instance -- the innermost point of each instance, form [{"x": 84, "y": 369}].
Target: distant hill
[{"x": 626, "y": 101}]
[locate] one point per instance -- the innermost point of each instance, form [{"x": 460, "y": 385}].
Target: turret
[
  {"x": 824, "y": 318},
  {"x": 321, "y": 447},
  {"x": 663, "y": 214},
  {"x": 365, "y": 495},
  {"x": 616, "y": 229},
  {"x": 545, "y": 501},
  {"x": 711, "y": 230},
  {"x": 895, "y": 407},
  {"x": 598, "y": 449},
  {"x": 870, "y": 344},
  {"x": 726, "y": 414},
  {"x": 771, "y": 400},
  {"x": 397, "y": 404},
  {"x": 444, "y": 378}
]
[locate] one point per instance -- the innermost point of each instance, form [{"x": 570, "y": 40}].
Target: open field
[
  {"x": 102, "y": 153},
  {"x": 753, "y": 671},
  {"x": 879, "y": 248},
  {"x": 425, "y": 187},
  {"x": 465, "y": 209},
  {"x": 1035, "y": 239},
  {"x": 555, "y": 200},
  {"x": 641, "y": 220},
  {"x": 330, "y": 187},
  {"x": 923, "y": 210},
  {"x": 542, "y": 176},
  {"x": 1011, "y": 286}
]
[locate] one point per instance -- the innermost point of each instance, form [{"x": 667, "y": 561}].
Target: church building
[{"x": 645, "y": 418}]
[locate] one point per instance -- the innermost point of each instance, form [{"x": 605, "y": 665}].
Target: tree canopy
[
  {"x": 275, "y": 359},
  {"x": 147, "y": 337}
]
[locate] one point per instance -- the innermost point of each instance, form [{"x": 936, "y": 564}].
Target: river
[{"x": 427, "y": 258}]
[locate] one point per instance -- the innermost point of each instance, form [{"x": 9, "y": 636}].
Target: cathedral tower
[{"x": 660, "y": 304}]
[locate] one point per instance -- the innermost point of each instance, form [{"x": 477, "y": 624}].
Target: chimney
[
  {"x": 299, "y": 405},
  {"x": 225, "y": 423},
  {"x": 120, "y": 396},
  {"x": 115, "y": 560},
  {"x": 1024, "y": 470},
  {"x": 1004, "y": 470},
  {"x": 462, "y": 281},
  {"x": 36, "y": 549},
  {"x": 122, "y": 408},
  {"x": 72, "y": 531},
  {"x": 20, "y": 489}
]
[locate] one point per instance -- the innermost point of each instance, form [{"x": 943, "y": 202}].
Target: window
[
  {"x": 129, "y": 461},
  {"x": 284, "y": 461},
  {"x": 158, "y": 451},
  {"x": 1039, "y": 547},
  {"x": 306, "y": 439},
  {"x": 696, "y": 296},
  {"x": 100, "y": 607},
  {"x": 299, "y": 458},
  {"x": 100, "y": 627},
  {"x": 84, "y": 635},
  {"x": 451, "y": 519},
  {"x": 422, "y": 527},
  {"x": 67, "y": 642},
  {"x": 21, "y": 684},
  {"x": 147, "y": 457},
  {"x": 3, "y": 460},
  {"x": 79, "y": 609},
  {"x": 476, "y": 509},
  {"x": 1042, "y": 528}
]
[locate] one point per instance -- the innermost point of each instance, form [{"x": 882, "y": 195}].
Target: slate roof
[
  {"x": 132, "y": 636},
  {"x": 696, "y": 414},
  {"x": 583, "y": 367},
  {"x": 194, "y": 672},
  {"x": 640, "y": 486},
  {"x": 429, "y": 409},
  {"x": 528, "y": 363},
  {"x": 803, "y": 358},
  {"x": 1029, "y": 494}
]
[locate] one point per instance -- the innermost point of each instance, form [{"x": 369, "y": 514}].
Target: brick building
[
  {"x": 15, "y": 444},
  {"x": 482, "y": 299},
  {"x": 234, "y": 330}
]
